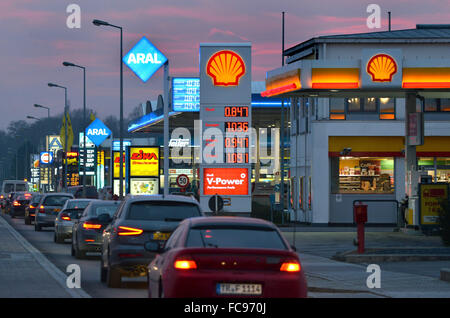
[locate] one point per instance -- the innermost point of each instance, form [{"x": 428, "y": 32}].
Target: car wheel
[
  {"x": 37, "y": 227},
  {"x": 103, "y": 271},
  {"x": 79, "y": 254},
  {"x": 113, "y": 278},
  {"x": 58, "y": 239},
  {"x": 27, "y": 221}
]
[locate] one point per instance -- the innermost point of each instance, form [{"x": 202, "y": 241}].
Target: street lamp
[
  {"x": 84, "y": 122},
  {"x": 104, "y": 23},
  {"x": 65, "y": 132},
  {"x": 48, "y": 151}
]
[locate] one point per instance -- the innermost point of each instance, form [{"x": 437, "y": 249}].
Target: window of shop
[
  {"x": 437, "y": 105},
  {"x": 437, "y": 167},
  {"x": 341, "y": 107},
  {"x": 363, "y": 175},
  {"x": 337, "y": 108}
]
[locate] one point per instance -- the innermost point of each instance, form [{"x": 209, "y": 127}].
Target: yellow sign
[
  {"x": 430, "y": 197},
  {"x": 144, "y": 162},
  {"x": 69, "y": 133},
  {"x": 117, "y": 165}
]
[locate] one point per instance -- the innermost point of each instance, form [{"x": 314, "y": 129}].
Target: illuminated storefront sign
[
  {"x": 186, "y": 94},
  {"x": 225, "y": 181},
  {"x": 225, "y": 68},
  {"x": 91, "y": 156},
  {"x": 431, "y": 196},
  {"x": 144, "y": 161},
  {"x": 116, "y": 156},
  {"x": 97, "y": 132},
  {"x": 381, "y": 68},
  {"x": 144, "y": 59},
  {"x": 46, "y": 158}
]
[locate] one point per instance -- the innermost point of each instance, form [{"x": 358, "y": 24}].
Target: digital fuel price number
[{"x": 236, "y": 111}]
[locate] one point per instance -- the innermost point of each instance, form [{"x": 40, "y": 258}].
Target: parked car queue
[{"x": 169, "y": 240}]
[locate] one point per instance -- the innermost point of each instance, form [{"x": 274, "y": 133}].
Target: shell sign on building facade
[
  {"x": 225, "y": 68},
  {"x": 381, "y": 68}
]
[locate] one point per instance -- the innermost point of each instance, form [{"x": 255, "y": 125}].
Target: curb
[
  {"x": 48, "y": 266},
  {"x": 351, "y": 257}
]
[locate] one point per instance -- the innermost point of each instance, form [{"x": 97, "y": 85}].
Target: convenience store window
[
  {"x": 436, "y": 167},
  {"x": 337, "y": 108},
  {"x": 387, "y": 108},
  {"x": 437, "y": 105},
  {"x": 341, "y": 107},
  {"x": 364, "y": 175}
]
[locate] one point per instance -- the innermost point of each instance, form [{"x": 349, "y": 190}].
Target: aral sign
[
  {"x": 97, "y": 132},
  {"x": 144, "y": 59}
]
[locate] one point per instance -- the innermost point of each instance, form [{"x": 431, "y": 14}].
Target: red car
[{"x": 225, "y": 257}]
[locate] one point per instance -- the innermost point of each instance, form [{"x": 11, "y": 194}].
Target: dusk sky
[{"x": 35, "y": 41}]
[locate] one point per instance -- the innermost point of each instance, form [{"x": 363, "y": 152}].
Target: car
[
  {"x": 87, "y": 231},
  {"x": 77, "y": 191},
  {"x": 19, "y": 202},
  {"x": 30, "y": 209},
  {"x": 9, "y": 186},
  {"x": 48, "y": 208},
  {"x": 138, "y": 219},
  {"x": 221, "y": 256},
  {"x": 71, "y": 211}
]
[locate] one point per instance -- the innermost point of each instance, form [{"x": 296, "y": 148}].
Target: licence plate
[
  {"x": 161, "y": 236},
  {"x": 56, "y": 210},
  {"x": 239, "y": 289}
]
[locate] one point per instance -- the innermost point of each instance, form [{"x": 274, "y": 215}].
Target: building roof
[{"x": 423, "y": 33}]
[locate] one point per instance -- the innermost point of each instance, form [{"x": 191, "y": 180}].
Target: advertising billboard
[
  {"x": 225, "y": 181},
  {"x": 431, "y": 196},
  {"x": 144, "y": 186},
  {"x": 116, "y": 156},
  {"x": 144, "y": 161}
]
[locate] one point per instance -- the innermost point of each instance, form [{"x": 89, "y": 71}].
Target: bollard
[{"x": 360, "y": 215}]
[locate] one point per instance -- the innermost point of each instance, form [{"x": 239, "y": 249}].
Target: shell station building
[{"x": 357, "y": 104}]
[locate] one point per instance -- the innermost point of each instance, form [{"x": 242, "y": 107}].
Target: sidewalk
[
  {"x": 26, "y": 273},
  {"x": 328, "y": 278}
]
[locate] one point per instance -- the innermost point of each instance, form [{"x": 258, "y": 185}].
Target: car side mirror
[{"x": 152, "y": 246}]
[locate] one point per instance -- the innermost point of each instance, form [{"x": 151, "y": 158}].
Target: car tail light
[
  {"x": 16, "y": 203},
  {"x": 42, "y": 209},
  {"x": 1, "y": 196},
  {"x": 89, "y": 225},
  {"x": 65, "y": 217},
  {"x": 128, "y": 231},
  {"x": 290, "y": 267},
  {"x": 32, "y": 206},
  {"x": 88, "y": 240},
  {"x": 184, "y": 263}
]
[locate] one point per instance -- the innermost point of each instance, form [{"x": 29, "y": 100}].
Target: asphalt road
[{"x": 59, "y": 255}]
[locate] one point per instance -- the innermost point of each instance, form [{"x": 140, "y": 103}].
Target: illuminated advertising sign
[
  {"x": 97, "y": 132},
  {"x": 185, "y": 94},
  {"x": 225, "y": 68},
  {"x": 225, "y": 181},
  {"x": 381, "y": 68},
  {"x": 46, "y": 158},
  {"x": 144, "y": 59},
  {"x": 144, "y": 186},
  {"x": 144, "y": 161},
  {"x": 431, "y": 196},
  {"x": 91, "y": 156},
  {"x": 125, "y": 143},
  {"x": 116, "y": 156}
]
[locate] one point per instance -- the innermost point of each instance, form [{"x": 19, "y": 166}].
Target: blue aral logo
[
  {"x": 97, "y": 132},
  {"x": 144, "y": 59}
]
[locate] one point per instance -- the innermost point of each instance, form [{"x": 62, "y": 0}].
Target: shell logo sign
[
  {"x": 225, "y": 68},
  {"x": 382, "y": 68}
]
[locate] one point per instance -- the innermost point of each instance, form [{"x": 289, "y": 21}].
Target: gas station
[{"x": 407, "y": 64}]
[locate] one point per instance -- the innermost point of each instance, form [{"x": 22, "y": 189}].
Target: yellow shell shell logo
[
  {"x": 381, "y": 68},
  {"x": 225, "y": 68}
]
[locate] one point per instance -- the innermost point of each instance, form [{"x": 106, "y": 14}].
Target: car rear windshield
[
  {"x": 9, "y": 187},
  {"x": 23, "y": 197},
  {"x": 235, "y": 237},
  {"x": 77, "y": 204},
  {"x": 104, "y": 209},
  {"x": 162, "y": 211},
  {"x": 36, "y": 199},
  {"x": 55, "y": 200},
  {"x": 21, "y": 187}
]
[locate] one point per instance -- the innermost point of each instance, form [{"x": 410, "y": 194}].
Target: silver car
[
  {"x": 48, "y": 208},
  {"x": 138, "y": 220},
  {"x": 71, "y": 211}
]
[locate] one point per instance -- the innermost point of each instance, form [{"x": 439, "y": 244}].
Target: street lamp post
[
  {"x": 65, "y": 133},
  {"x": 48, "y": 151},
  {"x": 104, "y": 23},
  {"x": 84, "y": 123}
]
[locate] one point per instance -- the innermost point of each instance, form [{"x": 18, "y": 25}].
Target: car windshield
[
  {"x": 23, "y": 197},
  {"x": 235, "y": 237},
  {"x": 77, "y": 204},
  {"x": 162, "y": 211},
  {"x": 55, "y": 200},
  {"x": 104, "y": 209},
  {"x": 36, "y": 199}
]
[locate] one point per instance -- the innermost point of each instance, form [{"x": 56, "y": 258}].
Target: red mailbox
[{"x": 360, "y": 213}]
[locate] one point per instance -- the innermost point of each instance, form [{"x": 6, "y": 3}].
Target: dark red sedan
[{"x": 225, "y": 257}]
